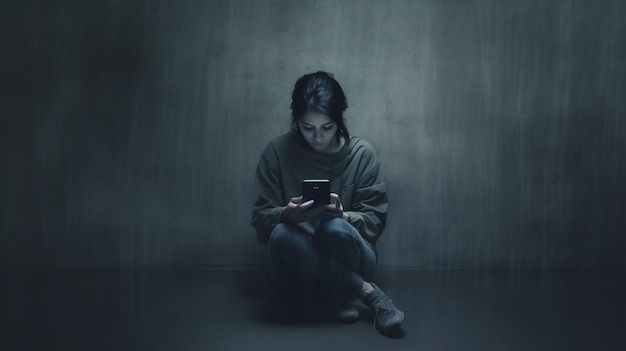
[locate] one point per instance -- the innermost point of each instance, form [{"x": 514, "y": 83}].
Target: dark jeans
[{"x": 335, "y": 260}]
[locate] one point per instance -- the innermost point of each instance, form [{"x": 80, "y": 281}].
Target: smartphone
[{"x": 317, "y": 190}]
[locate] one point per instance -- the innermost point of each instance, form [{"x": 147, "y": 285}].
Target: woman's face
[{"x": 319, "y": 131}]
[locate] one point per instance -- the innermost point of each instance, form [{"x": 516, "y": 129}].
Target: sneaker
[
  {"x": 346, "y": 312},
  {"x": 386, "y": 315}
]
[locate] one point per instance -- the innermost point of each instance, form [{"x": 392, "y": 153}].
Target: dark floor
[{"x": 232, "y": 310}]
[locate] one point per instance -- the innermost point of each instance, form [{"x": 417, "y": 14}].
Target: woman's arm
[
  {"x": 369, "y": 207},
  {"x": 268, "y": 207}
]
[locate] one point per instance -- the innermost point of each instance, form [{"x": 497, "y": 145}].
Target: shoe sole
[{"x": 391, "y": 325}]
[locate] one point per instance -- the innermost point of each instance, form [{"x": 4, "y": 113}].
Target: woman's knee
[
  {"x": 336, "y": 230},
  {"x": 287, "y": 237},
  {"x": 280, "y": 235}
]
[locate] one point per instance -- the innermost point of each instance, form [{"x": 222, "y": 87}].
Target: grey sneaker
[{"x": 386, "y": 315}]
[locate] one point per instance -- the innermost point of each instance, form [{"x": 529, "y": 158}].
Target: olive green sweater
[{"x": 353, "y": 171}]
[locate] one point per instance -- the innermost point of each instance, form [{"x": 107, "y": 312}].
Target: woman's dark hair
[{"x": 320, "y": 92}]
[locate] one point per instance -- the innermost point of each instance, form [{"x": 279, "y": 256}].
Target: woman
[{"x": 326, "y": 249}]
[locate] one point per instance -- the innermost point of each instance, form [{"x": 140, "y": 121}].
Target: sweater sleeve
[
  {"x": 368, "y": 213},
  {"x": 268, "y": 207}
]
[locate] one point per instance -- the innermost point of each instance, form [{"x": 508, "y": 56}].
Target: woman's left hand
[{"x": 334, "y": 209}]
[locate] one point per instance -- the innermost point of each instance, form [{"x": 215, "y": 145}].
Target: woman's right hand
[{"x": 298, "y": 211}]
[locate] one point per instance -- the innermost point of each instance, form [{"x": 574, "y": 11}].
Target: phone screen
[{"x": 317, "y": 190}]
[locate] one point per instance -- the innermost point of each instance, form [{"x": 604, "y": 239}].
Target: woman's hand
[
  {"x": 296, "y": 211},
  {"x": 333, "y": 210}
]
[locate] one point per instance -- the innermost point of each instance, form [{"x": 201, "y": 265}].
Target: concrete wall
[{"x": 131, "y": 129}]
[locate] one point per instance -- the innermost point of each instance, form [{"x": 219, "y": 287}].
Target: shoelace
[{"x": 380, "y": 305}]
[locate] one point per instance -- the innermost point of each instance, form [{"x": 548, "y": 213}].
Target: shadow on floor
[{"x": 236, "y": 310}]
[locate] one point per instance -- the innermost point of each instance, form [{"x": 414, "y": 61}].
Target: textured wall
[{"x": 131, "y": 129}]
